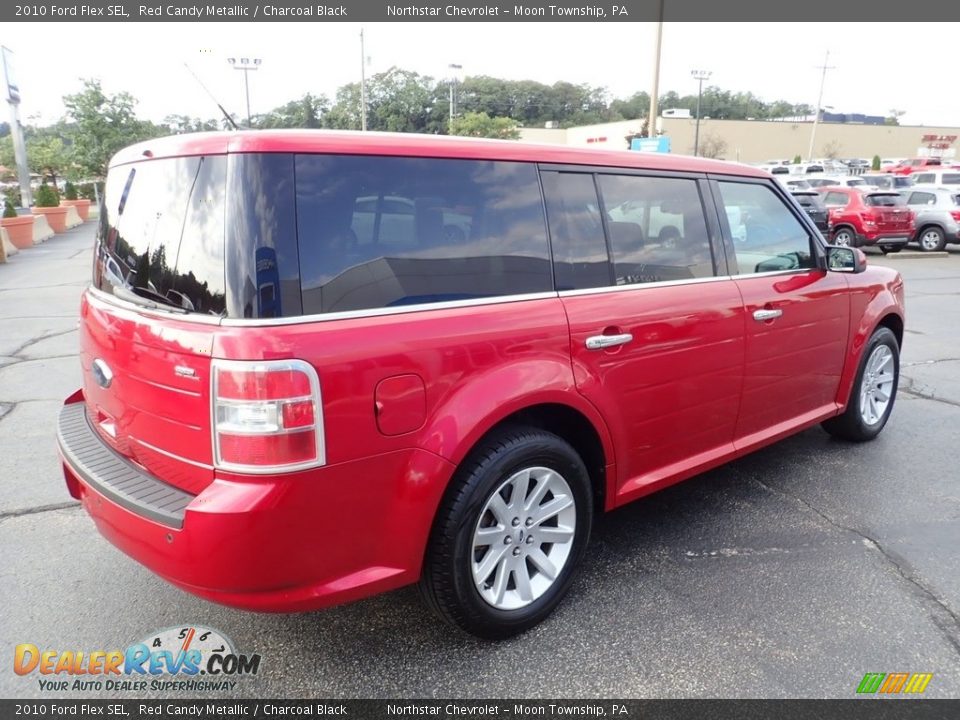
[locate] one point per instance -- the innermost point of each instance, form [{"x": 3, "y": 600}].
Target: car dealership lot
[{"x": 791, "y": 572}]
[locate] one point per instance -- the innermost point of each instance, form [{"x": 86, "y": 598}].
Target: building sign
[{"x": 938, "y": 142}]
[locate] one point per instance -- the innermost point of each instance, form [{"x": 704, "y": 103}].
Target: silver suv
[{"x": 938, "y": 216}]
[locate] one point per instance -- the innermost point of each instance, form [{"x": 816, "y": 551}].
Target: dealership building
[{"x": 753, "y": 141}]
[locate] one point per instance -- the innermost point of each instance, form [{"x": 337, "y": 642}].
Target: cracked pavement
[{"x": 789, "y": 573}]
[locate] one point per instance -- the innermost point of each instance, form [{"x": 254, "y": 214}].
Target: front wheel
[
  {"x": 509, "y": 535},
  {"x": 874, "y": 390}
]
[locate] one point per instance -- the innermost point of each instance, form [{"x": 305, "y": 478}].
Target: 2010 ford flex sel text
[{"x": 319, "y": 366}]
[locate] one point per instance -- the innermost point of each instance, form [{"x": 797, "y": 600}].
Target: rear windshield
[
  {"x": 160, "y": 240},
  {"x": 350, "y": 233},
  {"x": 902, "y": 181},
  {"x": 810, "y": 200},
  {"x": 884, "y": 200}
]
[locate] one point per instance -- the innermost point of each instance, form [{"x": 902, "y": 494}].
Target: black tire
[
  {"x": 890, "y": 250},
  {"x": 931, "y": 239},
  {"x": 851, "y": 424},
  {"x": 447, "y": 583}
]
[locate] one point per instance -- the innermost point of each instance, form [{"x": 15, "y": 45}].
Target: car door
[
  {"x": 797, "y": 314},
  {"x": 656, "y": 331}
]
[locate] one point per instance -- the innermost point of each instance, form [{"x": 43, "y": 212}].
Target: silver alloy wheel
[
  {"x": 523, "y": 538},
  {"x": 930, "y": 240},
  {"x": 843, "y": 238},
  {"x": 876, "y": 385}
]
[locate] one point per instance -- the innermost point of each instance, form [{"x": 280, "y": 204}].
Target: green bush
[
  {"x": 46, "y": 197},
  {"x": 797, "y": 160},
  {"x": 875, "y": 165},
  {"x": 8, "y": 209},
  {"x": 69, "y": 191},
  {"x": 13, "y": 195},
  {"x": 86, "y": 191}
]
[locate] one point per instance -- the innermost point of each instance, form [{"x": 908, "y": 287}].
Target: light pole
[
  {"x": 817, "y": 110},
  {"x": 453, "y": 88},
  {"x": 699, "y": 76},
  {"x": 655, "y": 92},
  {"x": 246, "y": 64},
  {"x": 363, "y": 85}
]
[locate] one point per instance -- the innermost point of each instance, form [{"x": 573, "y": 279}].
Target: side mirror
[{"x": 845, "y": 259}]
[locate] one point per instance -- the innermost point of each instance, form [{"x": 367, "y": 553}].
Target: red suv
[
  {"x": 912, "y": 165},
  {"x": 879, "y": 218},
  {"x": 326, "y": 365}
]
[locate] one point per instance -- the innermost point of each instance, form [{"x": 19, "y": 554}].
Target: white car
[
  {"x": 793, "y": 182},
  {"x": 937, "y": 178},
  {"x": 840, "y": 181}
]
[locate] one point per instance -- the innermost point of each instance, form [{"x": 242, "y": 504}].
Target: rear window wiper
[{"x": 147, "y": 298}]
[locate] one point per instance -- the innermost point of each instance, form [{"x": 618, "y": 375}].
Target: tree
[
  {"x": 634, "y": 107},
  {"x": 482, "y": 125},
  {"x": 894, "y": 117},
  {"x": 102, "y": 125},
  {"x": 831, "y": 150},
  {"x": 875, "y": 165},
  {"x": 712, "y": 146},
  {"x": 180, "y": 124},
  {"x": 307, "y": 112}
]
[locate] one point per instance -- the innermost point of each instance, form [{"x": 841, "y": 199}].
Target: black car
[{"x": 812, "y": 203}]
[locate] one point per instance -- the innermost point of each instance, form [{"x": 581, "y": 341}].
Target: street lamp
[
  {"x": 453, "y": 88},
  {"x": 246, "y": 64},
  {"x": 699, "y": 76}
]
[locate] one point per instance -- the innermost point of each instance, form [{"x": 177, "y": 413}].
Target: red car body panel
[
  {"x": 908, "y": 167},
  {"x": 406, "y": 395}
]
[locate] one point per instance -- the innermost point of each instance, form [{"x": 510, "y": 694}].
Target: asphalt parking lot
[{"x": 790, "y": 573}]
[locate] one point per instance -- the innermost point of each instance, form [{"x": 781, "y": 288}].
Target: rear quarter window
[
  {"x": 379, "y": 232},
  {"x": 884, "y": 200}
]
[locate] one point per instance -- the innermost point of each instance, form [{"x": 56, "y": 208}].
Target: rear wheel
[
  {"x": 509, "y": 534},
  {"x": 874, "y": 390},
  {"x": 844, "y": 237},
  {"x": 932, "y": 239}
]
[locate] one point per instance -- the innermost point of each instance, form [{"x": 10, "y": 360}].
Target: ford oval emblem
[{"x": 102, "y": 373}]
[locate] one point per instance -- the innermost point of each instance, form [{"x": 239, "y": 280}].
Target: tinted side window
[
  {"x": 262, "y": 267},
  {"x": 835, "y": 199},
  {"x": 768, "y": 237},
  {"x": 922, "y": 198},
  {"x": 377, "y": 232},
  {"x": 951, "y": 179},
  {"x": 576, "y": 231},
  {"x": 924, "y": 177},
  {"x": 656, "y": 229}
]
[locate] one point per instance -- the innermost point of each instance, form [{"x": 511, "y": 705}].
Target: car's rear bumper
[
  {"x": 892, "y": 240},
  {"x": 290, "y": 542}
]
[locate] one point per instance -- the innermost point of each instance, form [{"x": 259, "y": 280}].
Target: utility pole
[
  {"x": 700, "y": 76},
  {"x": 246, "y": 64},
  {"x": 16, "y": 131},
  {"x": 363, "y": 85},
  {"x": 655, "y": 93},
  {"x": 816, "y": 117},
  {"x": 453, "y": 89}
]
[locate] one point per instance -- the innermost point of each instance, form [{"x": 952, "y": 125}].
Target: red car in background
[
  {"x": 911, "y": 165},
  {"x": 876, "y": 218}
]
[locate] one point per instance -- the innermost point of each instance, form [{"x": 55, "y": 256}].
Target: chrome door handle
[
  {"x": 761, "y": 315},
  {"x": 599, "y": 342}
]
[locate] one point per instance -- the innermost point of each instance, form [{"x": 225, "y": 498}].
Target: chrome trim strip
[
  {"x": 170, "y": 454},
  {"x": 774, "y": 273},
  {"x": 641, "y": 286},
  {"x": 151, "y": 312},
  {"x": 376, "y": 312}
]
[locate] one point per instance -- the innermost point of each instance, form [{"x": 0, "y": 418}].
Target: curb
[{"x": 913, "y": 254}]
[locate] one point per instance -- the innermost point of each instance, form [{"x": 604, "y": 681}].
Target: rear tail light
[
  {"x": 267, "y": 416},
  {"x": 955, "y": 214}
]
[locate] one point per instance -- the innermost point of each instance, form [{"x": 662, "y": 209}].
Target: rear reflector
[{"x": 267, "y": 416}]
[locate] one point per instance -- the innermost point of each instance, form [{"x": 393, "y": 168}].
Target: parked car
[
  {"x": 888, "y": 182},
  {"x": 791, "y": 182},
  {"x": 812, "y": 204},
  {"x": 940, "y": 178},
  {"x": 889, "y": 162},
  {"x": 343, "y": 412},
  {"x": 912, "y": 165},
  {"x": 838, "y": 181},
  {"x": 937, "y": 216},
  {"x": 878, "y": 218},
  {"x": 806, "y": 168}
]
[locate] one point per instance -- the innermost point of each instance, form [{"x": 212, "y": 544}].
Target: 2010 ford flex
[{"x": 318, "y": 366}]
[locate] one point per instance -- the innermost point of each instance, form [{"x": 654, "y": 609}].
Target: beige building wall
[{"x": 757, "y": 140}]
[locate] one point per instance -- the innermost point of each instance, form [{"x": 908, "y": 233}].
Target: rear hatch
[
  {"x": 891, "y": 212},
  {"x": 146, "y": 369}
]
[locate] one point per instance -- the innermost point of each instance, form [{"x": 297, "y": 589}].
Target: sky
[{"x": 772, "y": 60}]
